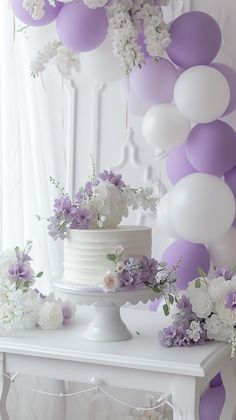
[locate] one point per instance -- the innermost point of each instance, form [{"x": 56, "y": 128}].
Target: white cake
[{"x": 85, "y": 252}]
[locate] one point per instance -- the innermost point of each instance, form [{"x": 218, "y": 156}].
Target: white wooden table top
[{"x": 142, "y": 352}]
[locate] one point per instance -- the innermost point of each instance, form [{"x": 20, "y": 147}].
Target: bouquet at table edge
[
  {"x": 206, "y": 311},
  {"x": 22, "y": 306}
]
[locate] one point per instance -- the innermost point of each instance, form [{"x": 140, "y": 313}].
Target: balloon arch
[{"x": 182, "y": 99}]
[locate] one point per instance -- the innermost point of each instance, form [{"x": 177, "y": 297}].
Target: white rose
[
  {"x": 110, "y": 282},
  {"x": 217, "y": 288},
  {"x": 216, "y": 329},
  {"x": 201, "y": 303},
  {"x": 50, "y": 316},
  {"x": 228, "y": 316}
]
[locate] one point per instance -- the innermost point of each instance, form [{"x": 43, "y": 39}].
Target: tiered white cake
[{"x": 85, "y": 252}]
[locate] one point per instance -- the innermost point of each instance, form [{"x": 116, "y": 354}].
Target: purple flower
[
  {"x": 149, "y": 270},
  {"x": 128, "y": 279},
  {"x": 19, "y": 270},
  {"x": 82, "y": 219},
  {"x": 230, "y": 300},
  {"x": 68, "y": 312},
  {"x": 64, "y": 206},
  {"x": 224, "y": 272},
  {"x": 111, "y": 177}
]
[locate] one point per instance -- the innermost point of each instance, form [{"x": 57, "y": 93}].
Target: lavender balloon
[
  {"x": 230, "y": 179},
  {"x": 216, "y": 381},
  {"x": 192, "y": 255},
  {"x": 178, "y": 165},
  {"x": 196, "y": 39},
  {"x": 211, "y": 148},
  {"x": 230, "y": 76},
  {"x": 154, "y": 82},
  {"x": 211, "y": 403},
  {"x": 81, "y": 28},
  {"x": 50, "y": 13}
]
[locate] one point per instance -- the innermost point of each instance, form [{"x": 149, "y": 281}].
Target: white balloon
[
  {"x": 101, "y": 64},
  {"x": 201, "y": 208},
  {"x": 165, "y": 127},
  {"x": 163, "y": 217},
  {"x": 223, "y": 251},
  {"x": 202, "y": 94}
]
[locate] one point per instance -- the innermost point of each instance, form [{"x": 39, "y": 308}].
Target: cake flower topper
[
  {"x": 101, "y": 203},
  {"x": 21, "y": 305},
  {"x": 136, "y": 272}
]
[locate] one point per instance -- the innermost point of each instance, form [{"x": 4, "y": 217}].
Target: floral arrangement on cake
[
  {"x": 136, "y": 272},
  {"x": 207, "y": 311},
  {"x": 22, "y": 306},
  {"x": 101, "y": 203},
  {"x": 136, "y": 29}
]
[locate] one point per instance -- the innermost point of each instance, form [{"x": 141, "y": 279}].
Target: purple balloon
[
  {"x": 211, "y": 148},
  {"x": 230, "y": 179},
  {"x": 192, "y": 255},
  {"x": 230, "y": 76},
  {"x": 81, "y": 28},
  {"x": 154, "y": 83},
  {"x": 195, "y": 39},
  {"x": 178, "y": 165},
  {"x": 216, "y": 381},
  {"x": 211, "y": 403},
  {"x": 50, "y": 13}
]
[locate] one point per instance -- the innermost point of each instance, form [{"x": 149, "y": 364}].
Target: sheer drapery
[{"x": 32, "y": 147}]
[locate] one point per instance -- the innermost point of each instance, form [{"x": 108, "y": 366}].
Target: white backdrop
[{"x": 51, "y": 127}]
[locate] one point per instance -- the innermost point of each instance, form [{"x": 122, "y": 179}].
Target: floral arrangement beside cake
[
  {"x": 21, "y": 305},
  {"x": 206, "y": 311},
  {"x": 99, "y": 253}
]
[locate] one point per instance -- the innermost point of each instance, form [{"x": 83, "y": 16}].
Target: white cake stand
[{"x": 106, "y": 324}]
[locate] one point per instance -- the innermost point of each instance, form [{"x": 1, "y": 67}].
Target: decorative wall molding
[
  {"x": 98, "y": 89},
  {"x": 69, "y": 131}
]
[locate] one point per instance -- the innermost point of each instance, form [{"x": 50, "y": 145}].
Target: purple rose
[
  {"x": 19, "y": 270},
  {"x": 230, "y": 300}
]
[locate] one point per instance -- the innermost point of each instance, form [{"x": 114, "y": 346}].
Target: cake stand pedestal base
[{"x": 106, "y": 324}]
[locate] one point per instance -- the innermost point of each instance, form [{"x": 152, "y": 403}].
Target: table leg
[
  {"x": 4, "y": 389},
  {"x": 185, "y": 398},
  {"x": 228, "y": 374}
]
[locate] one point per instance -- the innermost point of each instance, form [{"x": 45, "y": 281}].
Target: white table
[{"x": 141, "y": 363}]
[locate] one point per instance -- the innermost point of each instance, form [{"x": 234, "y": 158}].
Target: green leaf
[
  {"x": 176, "y": 299},
  {"x": 198, "y": 284},
  {"x": 17, "y": 249},
  {"x": 166, "y": 309},
  {"x": 111, "y": 257},
  {"x": 201, "y": 272},
  {"x": 40, "y": 274},
  {"x": 171, "y": 299}
]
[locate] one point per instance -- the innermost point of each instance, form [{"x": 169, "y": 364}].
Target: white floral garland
[
  {"x": 65, "y": 59},
  {"x": 35, "y": 8}
]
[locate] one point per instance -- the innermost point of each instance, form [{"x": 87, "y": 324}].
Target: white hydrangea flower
[
  {"x": 217, "y": 288},
  {"x": 228, "y": 316},
  {"x": 191, "y": 289},
  {"x": 216, "y": 329},
  {"x": 201, "y": 303}
]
